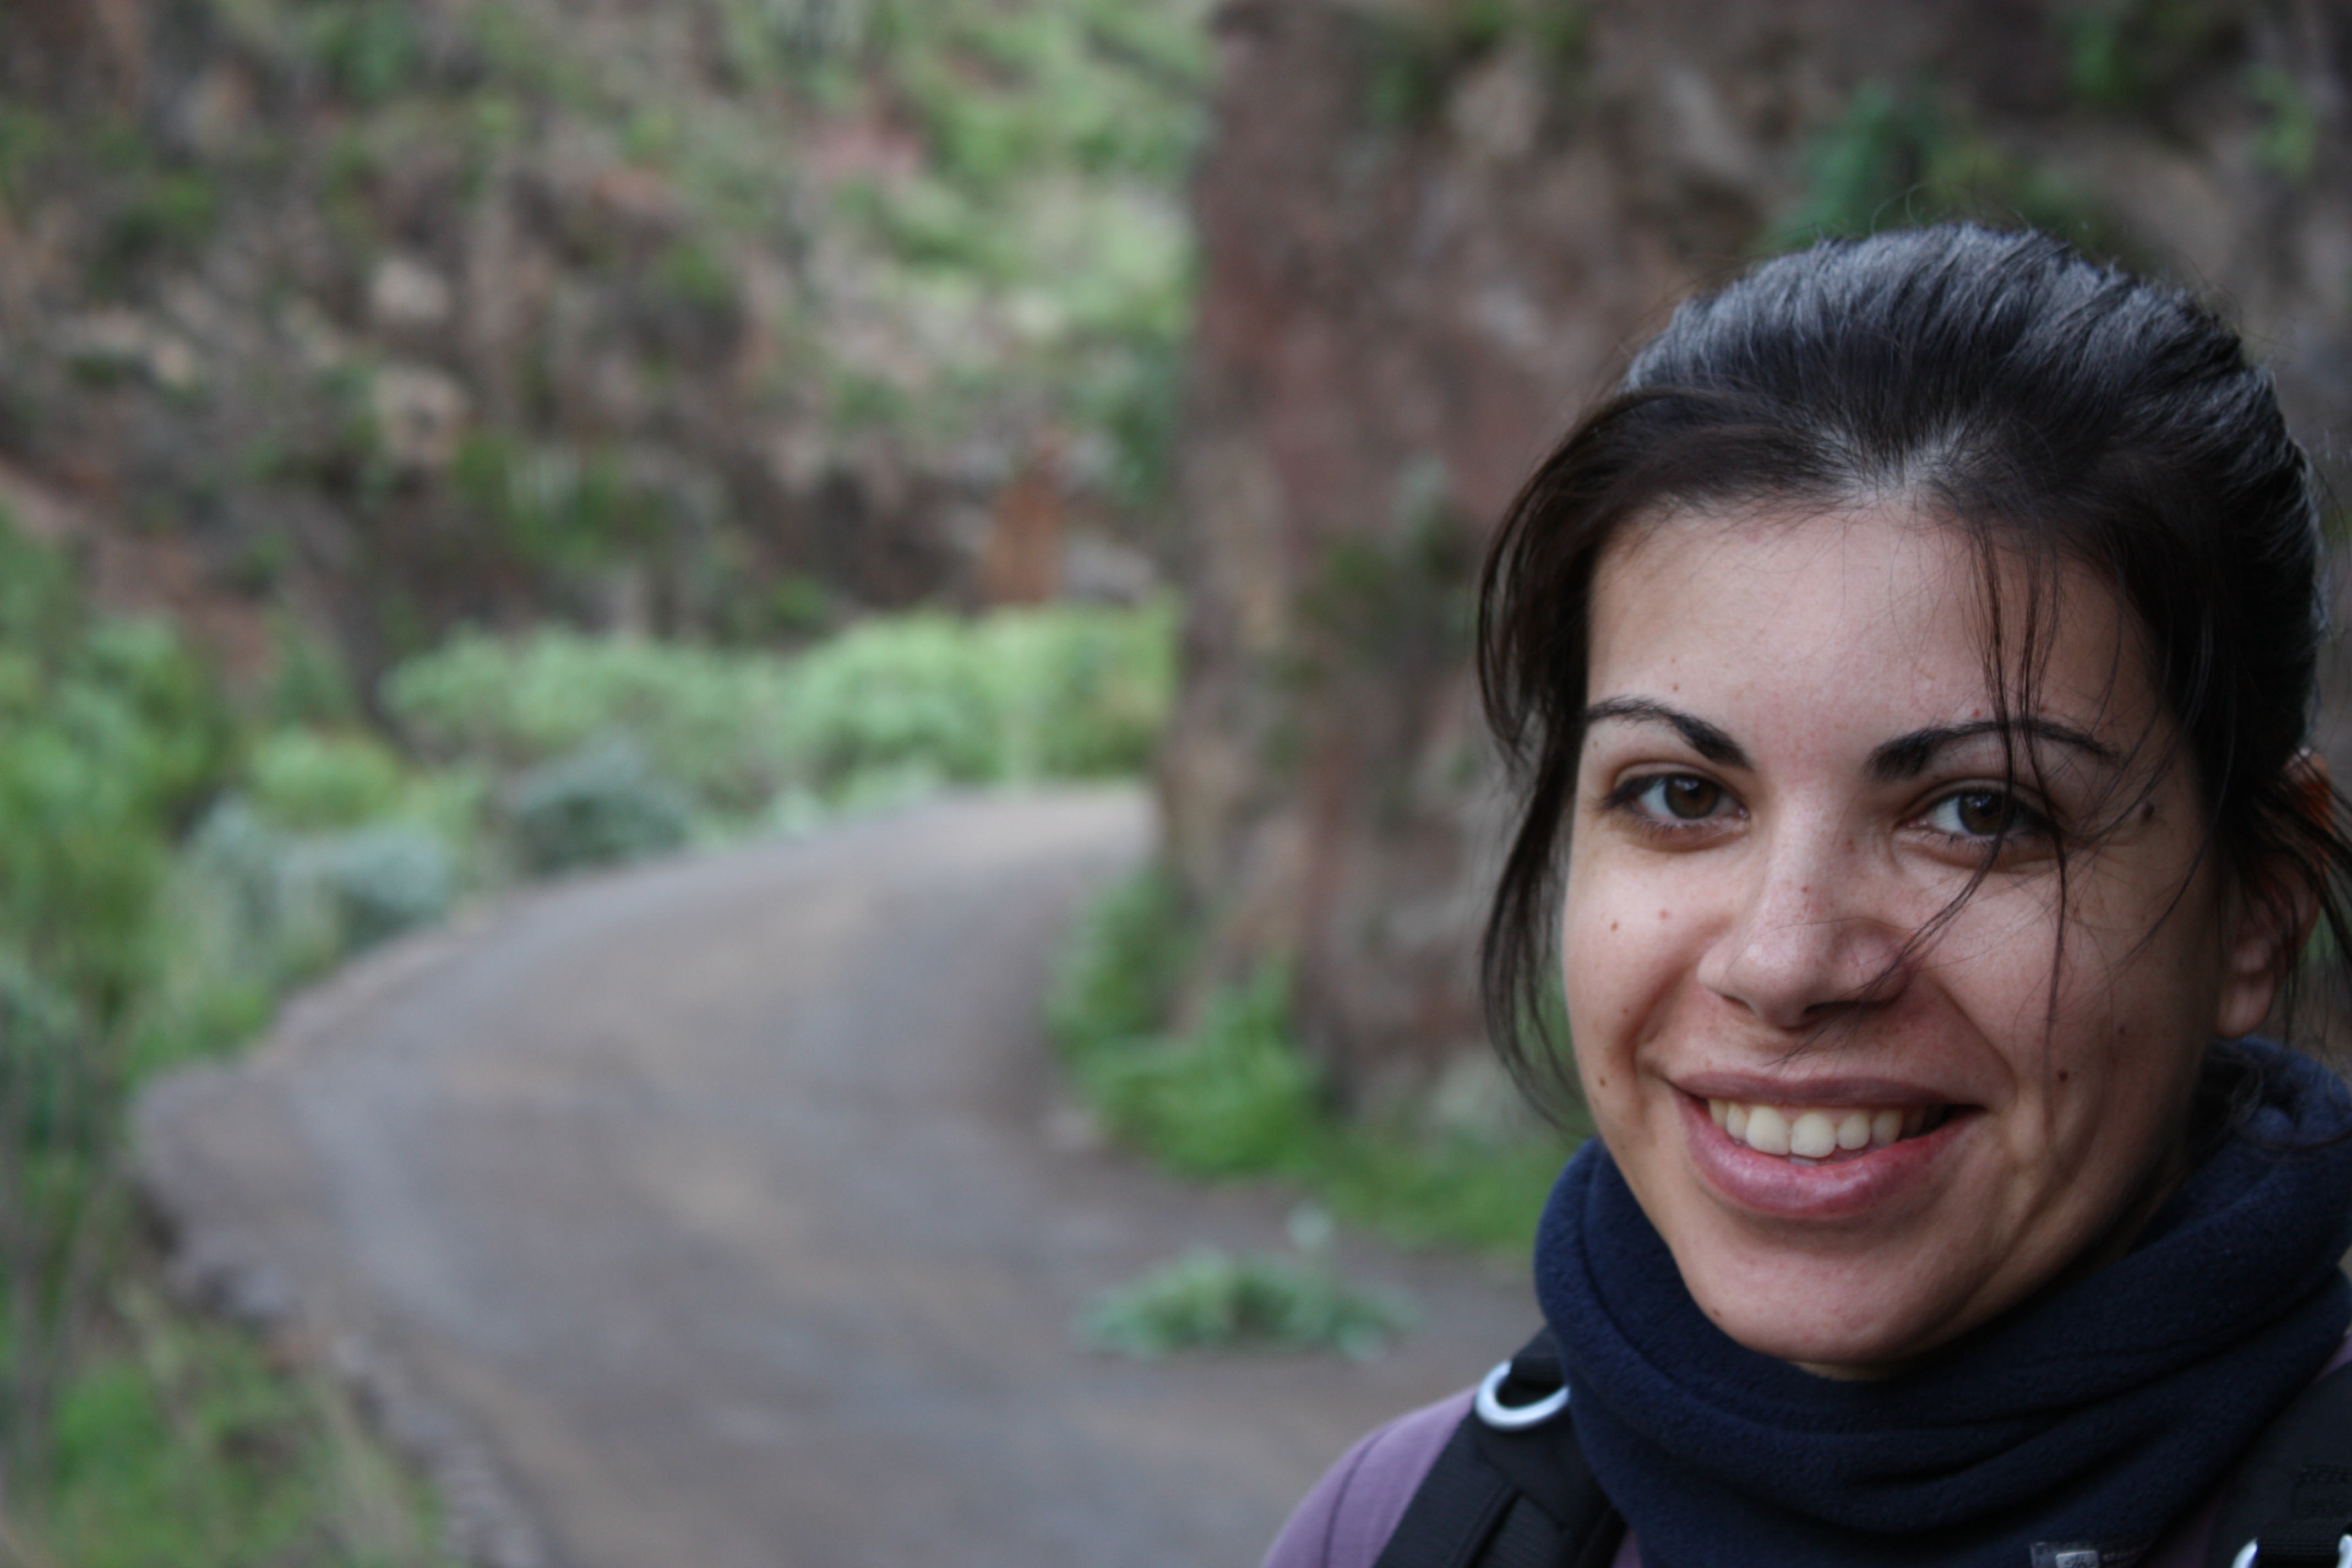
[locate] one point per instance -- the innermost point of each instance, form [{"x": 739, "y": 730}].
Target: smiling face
[{"x": 1858, "y": 1145}]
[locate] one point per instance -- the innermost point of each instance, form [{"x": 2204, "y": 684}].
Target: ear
[{"x": 2269, "y": 922}]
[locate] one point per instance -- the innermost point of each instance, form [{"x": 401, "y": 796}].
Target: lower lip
[{"x": 1840, "y": 1189}]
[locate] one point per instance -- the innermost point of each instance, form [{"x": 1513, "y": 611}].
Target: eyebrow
[
  {"x": 1891, "y": 762},
  {"x": 1702, "y": 737},
  {"x": 1906, "y": 756}
]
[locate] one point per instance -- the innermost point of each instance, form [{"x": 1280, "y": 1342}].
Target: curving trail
[{"x": 726, "y": 1214}]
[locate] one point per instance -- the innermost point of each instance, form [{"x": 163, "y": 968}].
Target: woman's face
[{"x": 1855, "y": 1148}]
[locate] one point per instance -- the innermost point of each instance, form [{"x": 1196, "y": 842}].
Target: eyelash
[
  {"x": 2026, "y": 824},
  {"x": 1625, "y": 799}
]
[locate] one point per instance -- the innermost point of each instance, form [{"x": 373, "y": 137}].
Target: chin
[{"x": 1838, "y": 1318}]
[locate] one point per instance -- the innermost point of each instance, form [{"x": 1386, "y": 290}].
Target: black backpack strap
[
  {"x": 2291, "y": 1496},
  {"x": 1515, "y": 1497}
]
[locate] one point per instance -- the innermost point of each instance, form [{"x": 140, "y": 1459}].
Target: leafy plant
[
  {"x": 308, "y": 779},
  {"x": 1235, "y": 1097},
  {"x": 1210, "y": 1300},
  {"x": 181, "y": 1443},
  {"x": 1056, "y": 693},
  {"x": 600, "y": 806}
]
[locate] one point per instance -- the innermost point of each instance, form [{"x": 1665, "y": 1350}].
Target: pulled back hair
[{"x": 2058, "y": 412}]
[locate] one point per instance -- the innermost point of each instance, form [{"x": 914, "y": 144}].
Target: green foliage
[
  {"x": 552, "y": 507},
  {"x": 383, "y": 879},
  {"x": 152, "y": 211},
  {"x": 2123, "y": 54},
  {"x": 1099, "y": 86},
  {"x": 368, "y": 50},
  {"x": 1231, "y": 1098},
  {"x": 1210, "y": 1300},
  {"x": 307, "y": 780},
  {"x": 1894, "y": 159},
  {"x": 115, "y": 736},
  {"x": 887, "y": 693},
  {"x": 182, "y": 1444},
  {"x": 1065, "y": 692},
  {"x": 709, "y": 717},
  {"x": 2289, "y": 141},
  {"x": 598, "y": 806},
  {"x": 309, "y": 685},
  {"x": 261, "y": 908},
  {"x": 1235, "y": 1097},
  {"x": 1039, "y": 245},
  {"x": 1062, "y": 692},
  {"x": 1115, "y": 976}
]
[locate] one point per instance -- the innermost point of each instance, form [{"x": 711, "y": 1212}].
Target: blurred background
[{"x": 445, "y": 444}]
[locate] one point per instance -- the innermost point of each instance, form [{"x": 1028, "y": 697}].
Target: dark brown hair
[{"x": 2059, "y": 411}]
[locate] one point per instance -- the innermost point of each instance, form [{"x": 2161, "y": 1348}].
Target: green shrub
[
  {"x": 711, "y": 717},
  {"x": 597, "y": 806},
  {"x": 260, "y": 909},
  {"x": 1058, "y": 693},
  {"x": 1082, "y": 693},
  {"x": 1115, "y": 978},
  {"x": 384, "y": 878},
  {"x": 1208, "y": 1301},
  {"x": 888, "y": 692},
  {"x": 1235, "y": 1097},
  {"x": 182, "y": 1444},
  {"x": 306, "y": 781},
  {"x": 115, "y": 737}
]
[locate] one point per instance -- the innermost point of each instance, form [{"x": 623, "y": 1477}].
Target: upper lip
[{"x": 1842, "y": 1089}]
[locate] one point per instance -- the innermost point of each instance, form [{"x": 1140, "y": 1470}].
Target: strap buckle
[{"x": 1519, "y": 1417}]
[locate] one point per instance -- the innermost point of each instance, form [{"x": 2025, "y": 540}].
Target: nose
[{"x": 1807, "y": 939}]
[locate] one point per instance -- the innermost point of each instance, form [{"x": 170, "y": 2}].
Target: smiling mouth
[{"x": 1814, "y": 1134}]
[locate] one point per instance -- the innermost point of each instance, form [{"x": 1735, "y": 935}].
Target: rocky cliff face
[{"x": 1429, "y": 232}]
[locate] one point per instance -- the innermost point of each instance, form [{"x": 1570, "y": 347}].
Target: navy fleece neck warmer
[{"x": 2092, "y": 1415}]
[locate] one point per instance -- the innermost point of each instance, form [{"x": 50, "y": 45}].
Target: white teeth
[
  {"x": 1810, "y": 1135},
  {"x": 1814, "y": 1135}
]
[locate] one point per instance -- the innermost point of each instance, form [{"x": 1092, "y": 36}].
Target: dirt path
[{"x": 714, "y": 1216}]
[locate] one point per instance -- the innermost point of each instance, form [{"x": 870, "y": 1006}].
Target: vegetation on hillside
[{"x": 732, "y": 317}]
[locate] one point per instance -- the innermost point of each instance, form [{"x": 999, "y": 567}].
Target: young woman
[{"x": 1909, "y": 667}]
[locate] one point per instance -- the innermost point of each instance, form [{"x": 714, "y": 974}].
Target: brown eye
[
  {"x": 1985, "y": 813},
  {"x": 1689, "y": 798}
]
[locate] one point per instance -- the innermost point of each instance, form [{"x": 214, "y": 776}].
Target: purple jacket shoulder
[
  {"x": 1354, "y": 1509},
  {"x": 1349, "y": 1517}
]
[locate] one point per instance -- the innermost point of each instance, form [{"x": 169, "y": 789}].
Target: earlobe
[{"x": 2271, "y": 924}]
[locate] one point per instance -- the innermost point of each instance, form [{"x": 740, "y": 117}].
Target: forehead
[{"x": 1864, "y": 611}]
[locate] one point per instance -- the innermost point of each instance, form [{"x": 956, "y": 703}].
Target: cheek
[{"x": 1625, "y": 952}]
